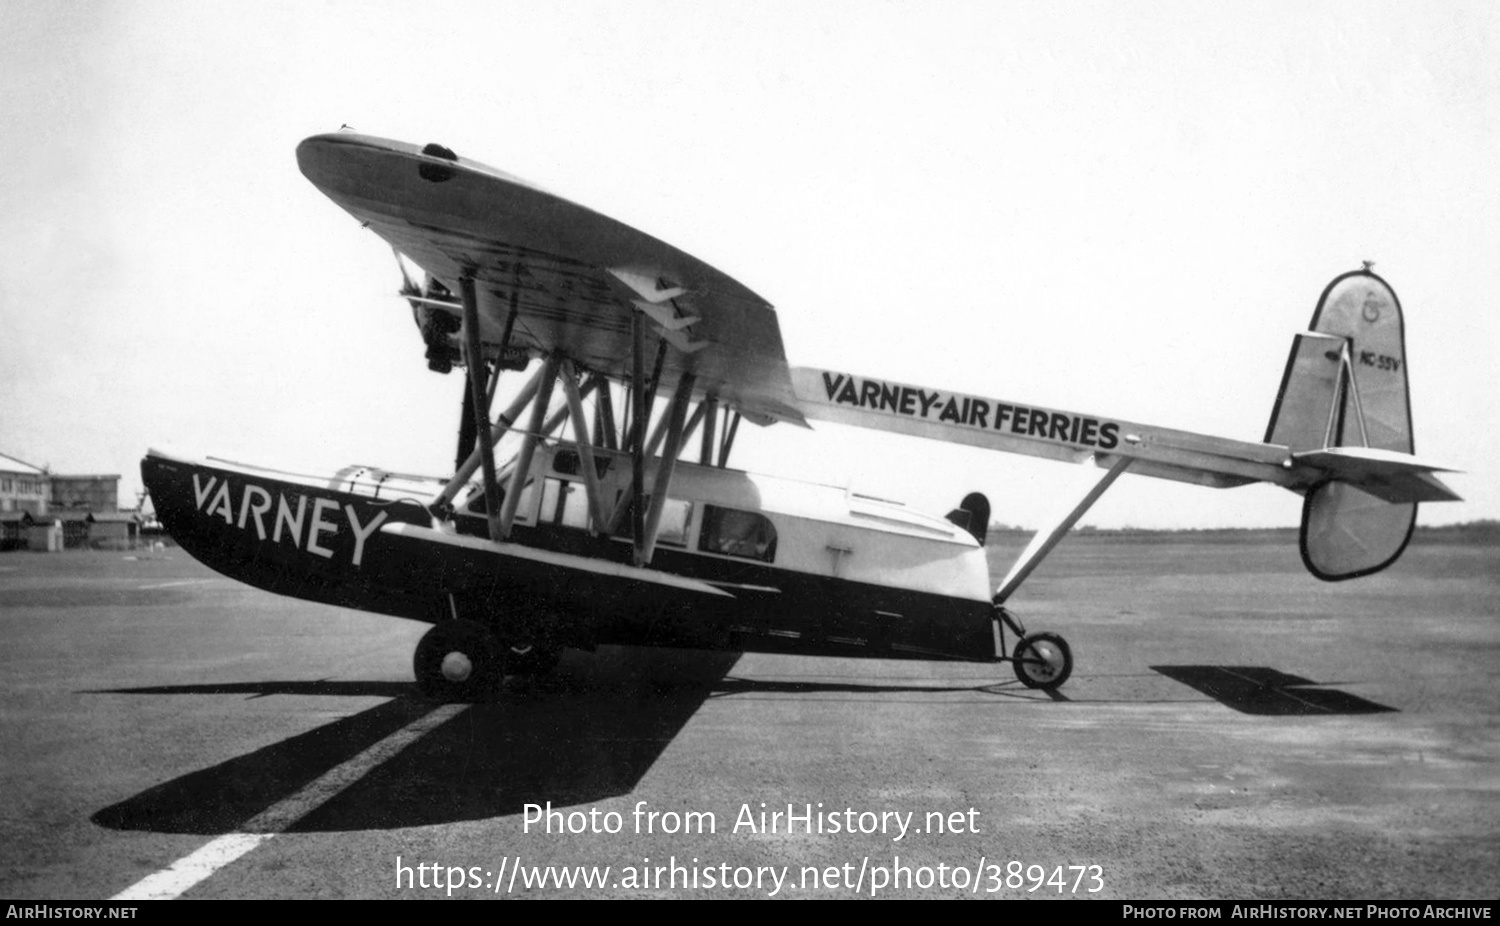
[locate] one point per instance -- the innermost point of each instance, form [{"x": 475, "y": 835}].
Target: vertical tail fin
[{"x": 1346, "y": 386}]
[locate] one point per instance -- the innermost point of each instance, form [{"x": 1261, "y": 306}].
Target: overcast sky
[{"x": 1122, "y": 209}]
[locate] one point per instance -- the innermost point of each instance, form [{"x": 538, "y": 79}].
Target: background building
[
  {"x": 88, "y": 493},
  {"x": 48, "y": 511},
  {"x": 23, "y": 487}
]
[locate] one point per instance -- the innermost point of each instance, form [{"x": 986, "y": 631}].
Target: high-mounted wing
[{"x": 574, "y": 277}]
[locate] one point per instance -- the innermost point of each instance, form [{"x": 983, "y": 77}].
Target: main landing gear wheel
[
  {"x": 1043, "y": 660},
  {"x": 529, "y": 659},
  {"x": 457, "y": 660}
]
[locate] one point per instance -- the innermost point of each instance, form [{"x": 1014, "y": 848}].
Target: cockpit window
[
  {"x": 475, "y": 504},
  {"x": 569, "y": 463},
  {"x": 738, "y": 533}
]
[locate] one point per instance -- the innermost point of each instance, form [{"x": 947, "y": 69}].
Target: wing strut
[
  {"x": 604, "y": 416},
  {"x": 534, "y": 434},
  {"x": 585, "y": 448},
  {"x": 501, "y": 426},
  {"x": 656, "y": 368},
  {"x": 481, "y": 412},
  {"x": 727, "y": 442},
  {"x": 710, "y": 422},
  {"x": 665, "y": 465},
  {"x": 638, "y": 408},
  {"x": 1046, "y": 539},
  {"x": 467, "y": 442},
  {"x": 510, "y": 325},
  {"x": 663, "y": 426}
]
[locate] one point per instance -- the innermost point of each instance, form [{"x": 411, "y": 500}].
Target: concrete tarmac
[{"x": 1234, "y": 729}]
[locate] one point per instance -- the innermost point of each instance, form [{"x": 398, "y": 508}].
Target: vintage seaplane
[{"x": 616, "y": 520}]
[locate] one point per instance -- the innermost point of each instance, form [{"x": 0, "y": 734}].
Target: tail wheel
[
  {"x": 1043, "y": 660},
  {"x": 457, "y": 660},
  {"x": 529, "y": 658}
]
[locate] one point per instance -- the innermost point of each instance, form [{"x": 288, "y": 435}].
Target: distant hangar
[{"x": 41, "y": 510}]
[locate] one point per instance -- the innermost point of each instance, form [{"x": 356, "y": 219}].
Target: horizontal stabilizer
[
  {"x": 1340, "y": 434},
  {"x": 1386, "y": 474}
]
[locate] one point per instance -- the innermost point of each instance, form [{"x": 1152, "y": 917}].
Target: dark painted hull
[{"x": 328, "y": 546}]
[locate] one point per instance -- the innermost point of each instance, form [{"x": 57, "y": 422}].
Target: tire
[
  {"x": 457, "y": 661},
  {"x": 529, "y": 659},
  {"x": 1043, "y": 660}
]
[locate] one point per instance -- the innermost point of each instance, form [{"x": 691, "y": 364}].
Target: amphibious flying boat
[{"x": 617, "y": 518}]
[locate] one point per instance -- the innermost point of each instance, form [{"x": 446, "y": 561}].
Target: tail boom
[
  {"x": 1340, "y": 432},
  {"x": 1079, "y": 437}
]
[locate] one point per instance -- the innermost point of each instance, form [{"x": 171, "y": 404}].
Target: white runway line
[
  {"x": 187, "y": 871},
  {"x": 142, "y": 588}
]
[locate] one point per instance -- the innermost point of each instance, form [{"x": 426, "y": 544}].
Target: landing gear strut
[
  {"x": 529, "y": 659},
  {"x": 457, "y": 660},
  {"x": 462, "y": 660},
  {"x": 1041, "y": 660}
]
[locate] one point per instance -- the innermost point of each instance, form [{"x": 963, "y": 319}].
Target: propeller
[{"x": 409, "y": 286}]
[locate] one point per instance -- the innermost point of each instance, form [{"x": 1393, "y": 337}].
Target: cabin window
[
  {"x": 738, "y": 533},
  {"x": 675, "y": 515},
  {"x": 526, "y": 507},
  {"x": 676, "y": 520},
  {"x": 476, "y": 506},
  {"x": 565, "y": 503},
  {"x": 570, "y": 463}
]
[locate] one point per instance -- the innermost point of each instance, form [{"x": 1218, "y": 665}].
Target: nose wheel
[{"x": 1043, "y": 660}]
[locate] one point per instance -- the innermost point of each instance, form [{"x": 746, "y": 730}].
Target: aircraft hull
[{"x": 327, "y": 544}]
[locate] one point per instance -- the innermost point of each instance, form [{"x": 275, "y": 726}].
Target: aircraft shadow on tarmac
[
  {"x": 1263, "y": 690},
  {"x": 568, "y": 739},
  {"x": 571, "y": 739}
]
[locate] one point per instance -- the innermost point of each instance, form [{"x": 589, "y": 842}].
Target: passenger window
[
  {"x": 676, "y": 518},
  {"x": 476, "y": 506},
  {"x": 564, "y": 503},
  {"x": 738, "y": 533},
  {"x": 675, "y": 515},
  {"x": 526, "y": 507}
]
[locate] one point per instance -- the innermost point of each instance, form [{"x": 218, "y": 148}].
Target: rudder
[{"x": 1346, "y": 385}]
